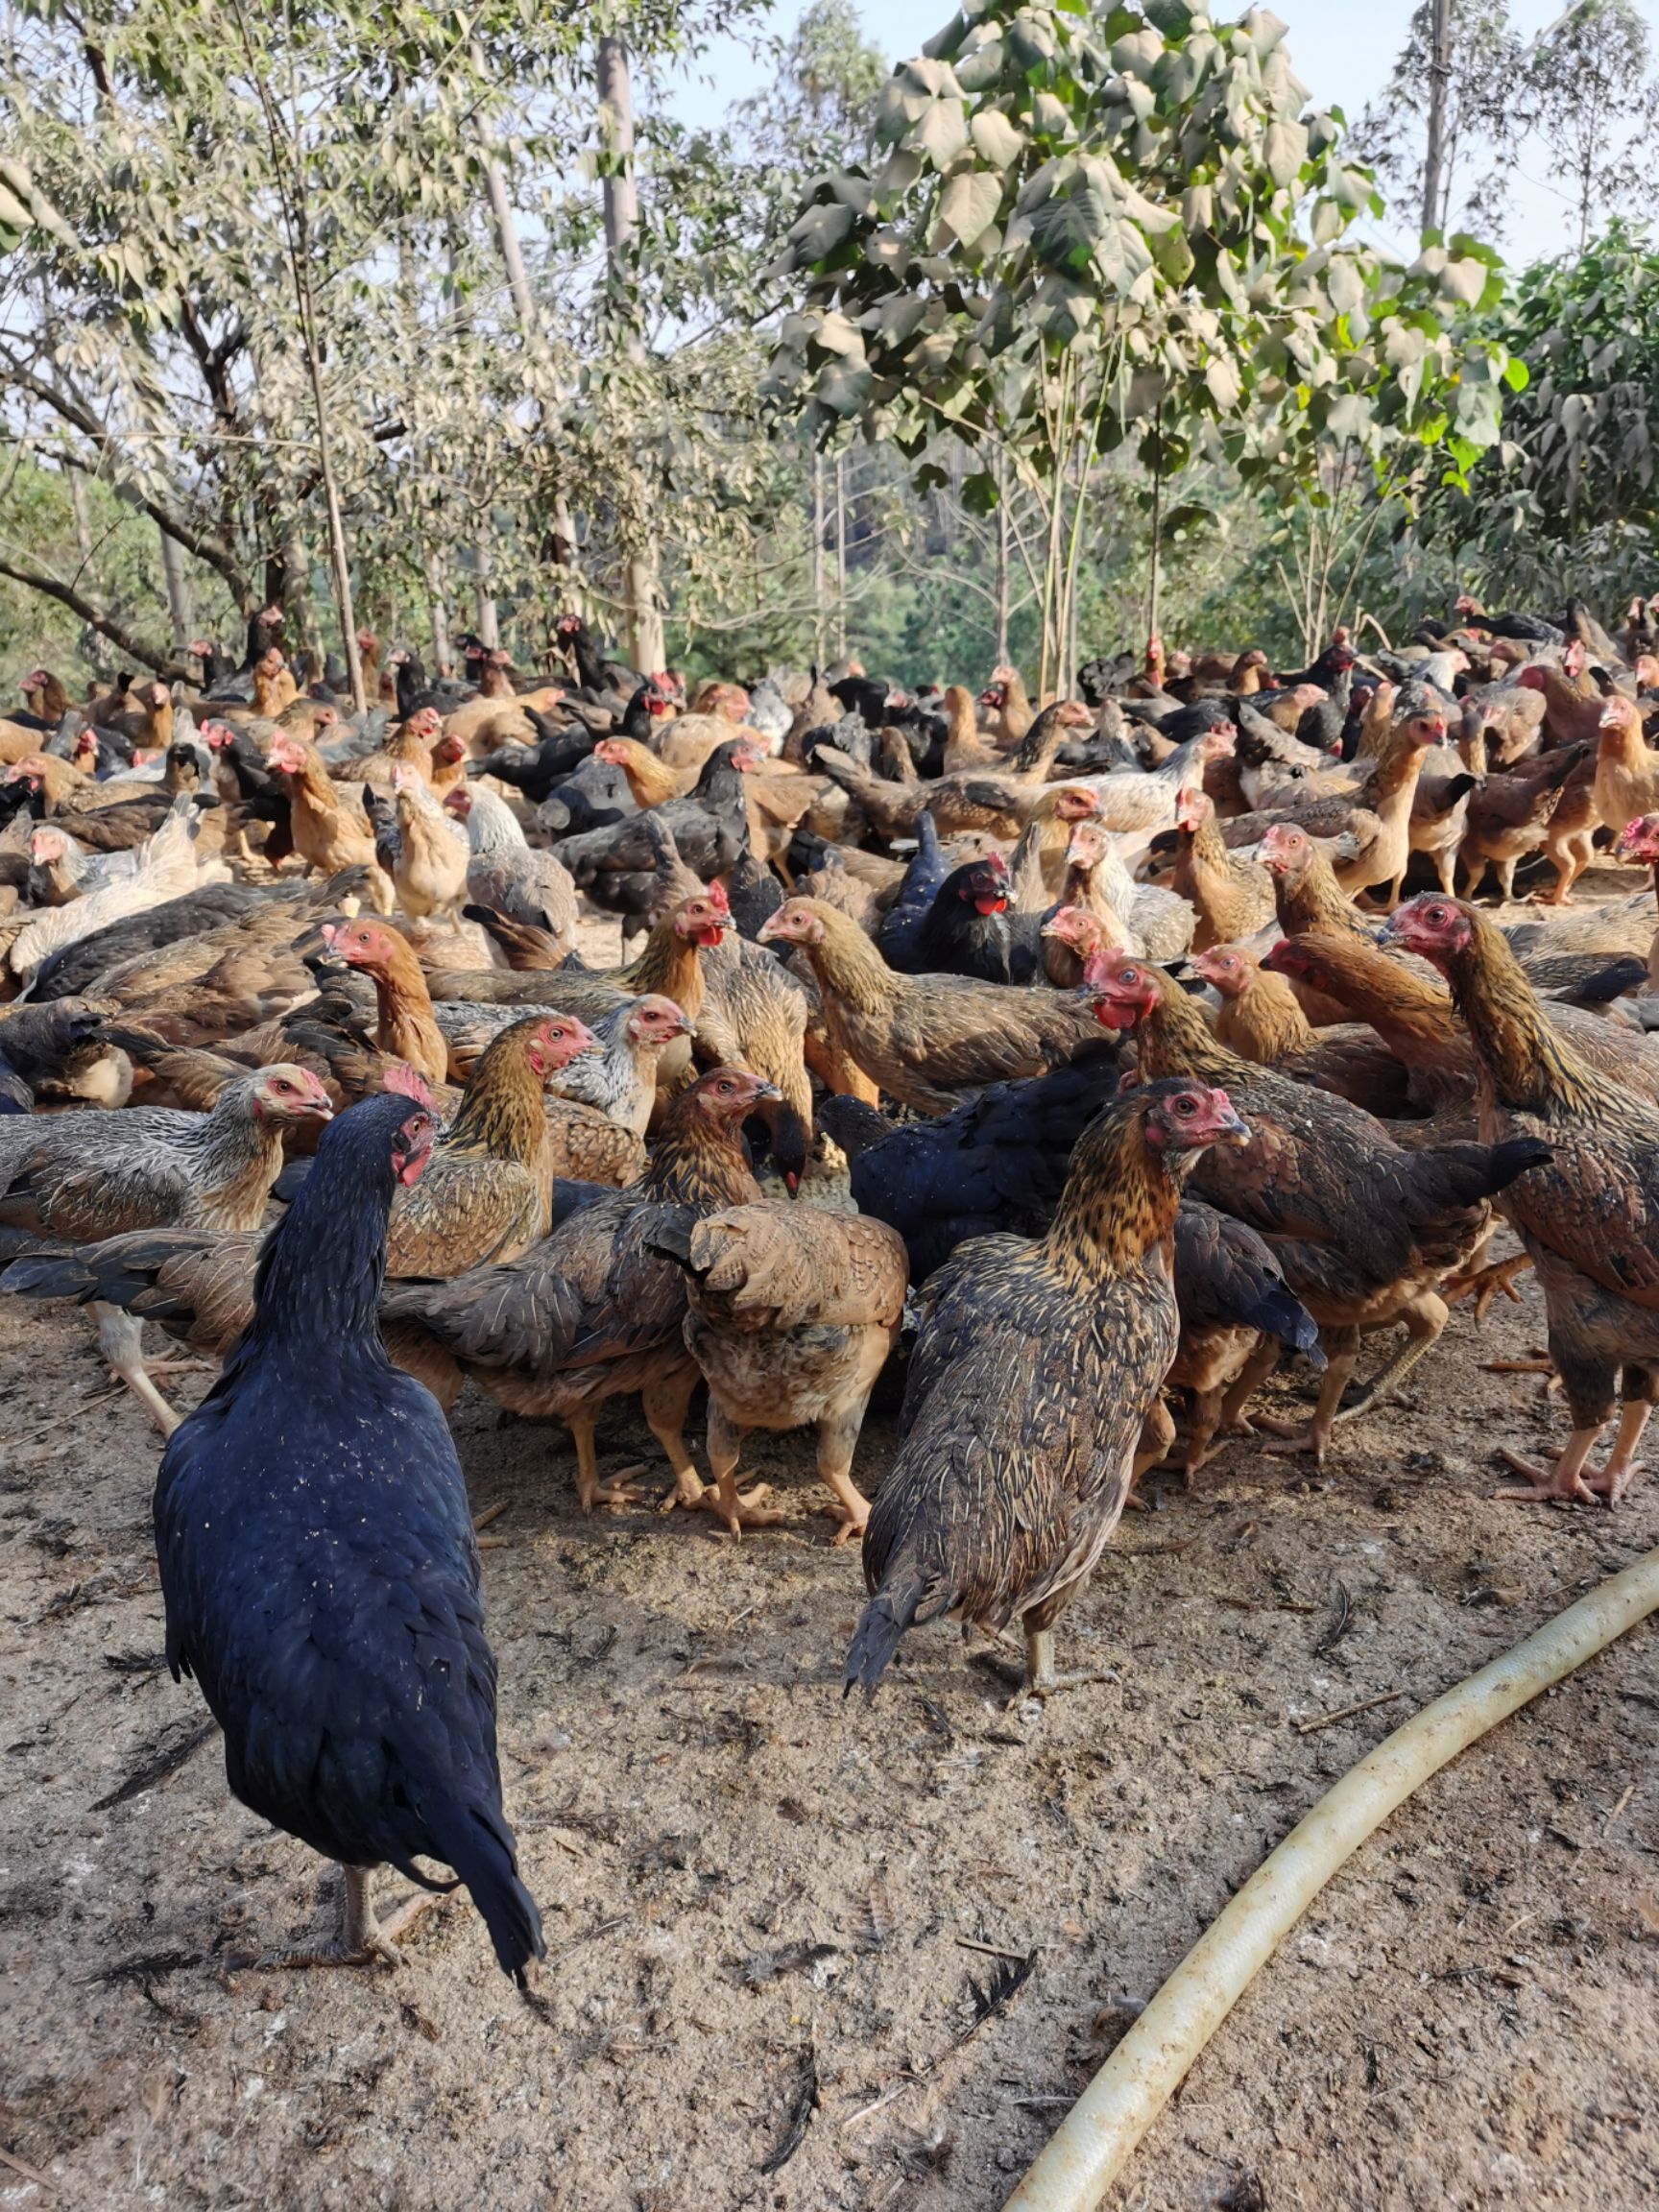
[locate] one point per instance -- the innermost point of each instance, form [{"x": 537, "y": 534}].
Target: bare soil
[{"x": 753, "y": 1891}]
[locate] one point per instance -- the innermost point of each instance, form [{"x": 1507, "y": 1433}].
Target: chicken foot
[
  {"x": 363, "y": 1937},
  {"x": 665, "y": 1403},
  {"x": 1483, "y": 1283},
  {"x": 1566, "y": 1481},
  {"x": 121, "y": 1342},
  {"x": 733, "y": 1509},
  {"x": 590, "y": 1489},
  {"x": 1342, "y": 1349},
  {"x": 1038, "y": 1677}
]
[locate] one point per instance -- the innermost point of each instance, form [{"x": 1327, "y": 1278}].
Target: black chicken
[
  {"x": 1034, "y": 1369},
  {"x": 896, "y": 940},
  {"x": 968, "y": 931},
  {"x": 318, "y": 1569}
]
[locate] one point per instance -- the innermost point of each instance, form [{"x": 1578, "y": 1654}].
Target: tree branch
[
  {"x": 117, "y": 632},
  {"x": 202, "y": 543}
]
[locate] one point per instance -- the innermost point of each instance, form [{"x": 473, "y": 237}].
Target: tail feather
[
  {"x": 1281, "y": 1314},
  {"x": 54, "y": 1275},
  {"x": 478, "y": 1843},
  {"x": 882, "y": 1625},
  {"x": 1515, "y": 1157}
]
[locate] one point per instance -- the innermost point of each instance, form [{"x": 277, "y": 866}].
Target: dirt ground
[{"x": 753, "y": 1891}]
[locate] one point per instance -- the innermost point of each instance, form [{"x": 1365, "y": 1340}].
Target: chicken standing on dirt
[
  {"x": 1034, "y": 1367},
  {"x": 320, "y": 1574},
  {"x": 83, "y": 1175},
  {"x": 591, "y": 1313},
  {"x": 925, "y": 1038},
  {"x": 1365, "y": 1231},
  {"x": 793, "y": 1314},
  {"x": 1589, "y": 1211}
]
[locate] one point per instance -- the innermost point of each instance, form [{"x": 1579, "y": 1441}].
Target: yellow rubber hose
[{"x": 1092, "y": 2142}]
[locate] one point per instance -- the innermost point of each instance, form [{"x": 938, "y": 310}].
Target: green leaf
[
  {"x": 968, "y": 205},
  {"x": 1284, "y": 150},
  {"x": 978, "y": 71},
  {"x": 1223, "y": 380},
  {"x": 1516, "y": 373},
  {"x": 1070, "y": 224},
  {"x": 1464, "y": 280},
  {"x": 996, "y": 138},
  {"x": 943, "y": 132},
  {"x": 843, "y": 387},
  {"x": 818, "y": 231}
]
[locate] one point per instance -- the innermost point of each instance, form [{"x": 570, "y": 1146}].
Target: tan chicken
[
  {"x": 1626, "y": 783},
  {"x": 433, "y": 860},
  {"x": 792, "y": 1314},
  {"x": 925, "y": 1038},
  {"x": 329, "y": 828},
  {"x": 1232, "y": 896}
]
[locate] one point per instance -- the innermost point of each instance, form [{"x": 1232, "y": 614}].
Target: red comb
[{"x": 405, "y": 1082}]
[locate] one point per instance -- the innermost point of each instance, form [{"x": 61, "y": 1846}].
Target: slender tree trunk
[
  {"x": 641, "y": 589},
  {"x": 841, "y": 556},
  {"x": 84, "y": 572},
  {"x": 817, "y": 560},
  {"x": 1439, "y": 78},
  {"x": 1157, "y": 548},
  {"x": 181, "y": 612},
  {"x": 1001, "y": 561},
  {"x": 488, "y": 626},
  {"x": 438, "y": 608}
]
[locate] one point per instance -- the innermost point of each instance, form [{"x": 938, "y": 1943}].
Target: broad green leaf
[
  {"x": 819, "y": 232},
  {"x": 1284, "y": 150},
  {"x": 995, "y": 137},
  {"x": 1464, "y": 280},
  {"x": 1069, "y": 225},
  {"x": 978, "y": 71},
  {"x": 843, "y": 386},
  {"x": 968, "y": 205},
  {"x": 1223, "y": 380},
  {"x": 943, "y": 132}
]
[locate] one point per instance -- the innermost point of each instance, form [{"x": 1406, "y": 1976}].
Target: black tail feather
[
  {"x": 880, "y": 1627},
  {"x": 477, "y": 1842}
]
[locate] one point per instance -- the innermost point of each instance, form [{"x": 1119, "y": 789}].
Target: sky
[{"x": 1342, "y": 50}]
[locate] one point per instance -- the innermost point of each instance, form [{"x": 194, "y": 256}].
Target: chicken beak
[
  {"x": 767, "y": 1091},
  {"x": 1232, "y": 1129}
]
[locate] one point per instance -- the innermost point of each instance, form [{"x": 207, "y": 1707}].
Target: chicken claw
[
  {"x": 1485, "y": 1283},
  {"x": 1037, "y": 1677},
  {"x": 363, "y": 1938},
  {"x": 1562, "y": 1485},
  {"x": 689, "y": 1490},
  {"x": 737, "y": 1510}
]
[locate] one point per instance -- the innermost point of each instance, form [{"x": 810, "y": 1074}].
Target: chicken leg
[
  {"x": 121, "y": 1342},
  {"x": 665, "y": 1403},
  {"x": 734, "y": 1510},
  {"x": 591, "y": 1490},
  {"x": 1038, "y": 1677},
  {"x": 363, "y": 1937}
]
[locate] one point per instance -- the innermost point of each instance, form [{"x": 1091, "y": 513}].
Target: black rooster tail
[
  {"x": 52, "y": 1275},
  {"x": 1514, "y": 1158},
  {"x": 1281, "y": 1314},
  {"x": 670, "y": 1236},
  {"x": 477, "y": 1842},
  {"x": 881, "y": 1627}
]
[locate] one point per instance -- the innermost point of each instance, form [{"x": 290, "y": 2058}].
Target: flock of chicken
[{"x": 1075, "y": 1061}]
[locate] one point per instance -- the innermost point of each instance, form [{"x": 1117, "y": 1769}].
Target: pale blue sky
[{"x": 1342, "y": 52}]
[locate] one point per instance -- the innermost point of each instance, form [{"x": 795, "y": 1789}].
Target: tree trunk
[
  {"x": 817, "y": 560},
  {"x": 841, "y": 556},
  {"x": 440, "y": 611},
  {"x": 180, "y": 607},
  {"x": 642, "y": 613},
  {"x": 1001, "y": 561},
  {"x": 1439, "y": 77},
  {"x": 489, "y": 628}
]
